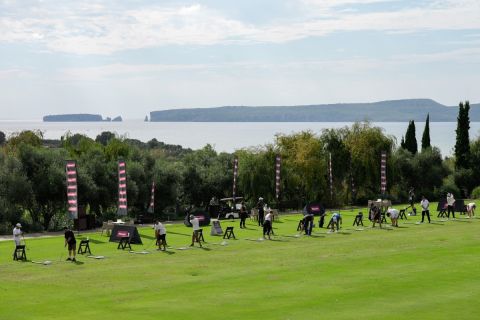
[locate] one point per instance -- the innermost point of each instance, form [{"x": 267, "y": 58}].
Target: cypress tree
[
  {"x": 410, "y": 138},
  {"x": 426, "y": 134},
  {"x": 462, "y": 144}
]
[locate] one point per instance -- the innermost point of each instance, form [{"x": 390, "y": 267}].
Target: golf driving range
[{"x": 416, "y": 271}]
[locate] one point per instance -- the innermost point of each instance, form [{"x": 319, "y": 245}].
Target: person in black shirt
[
  {"x": 261, "y": 211},
  {"x": 72, "y": 244},
  {"x": 243, "y": 216}
]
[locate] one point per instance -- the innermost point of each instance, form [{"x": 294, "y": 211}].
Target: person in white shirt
[
  {"x": 267, "y": 224},
  {"x": 393, "y": 214},
  {"x": 450, "y": 207},
  {"x": 161, "y": 235},
  {"x": 471, "y": 209},
  {"x": 196, "y": 227},
  {"x": 17, "y": 233},
  {"x": 425, "y": 211}
]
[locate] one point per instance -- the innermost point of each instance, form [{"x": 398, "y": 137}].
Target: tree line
[{"x": 33, "y": 183}]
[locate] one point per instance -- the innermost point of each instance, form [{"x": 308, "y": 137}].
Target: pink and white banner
[
  {"x": 383, "y": 173},
  {"x": 151, "y": 207},
  {"x": 235, "y": 175},
  {"x": 278, "y": 170},
  {"x": 122, "y": 188},
  {"x": 72, "y": 194}
]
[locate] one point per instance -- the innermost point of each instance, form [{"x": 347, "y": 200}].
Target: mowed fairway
[{"x": 417, "y": 271}]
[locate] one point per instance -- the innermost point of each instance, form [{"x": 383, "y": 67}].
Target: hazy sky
[{"x": 132, "y": 57}]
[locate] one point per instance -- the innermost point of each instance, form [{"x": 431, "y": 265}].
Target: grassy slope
[{"x": 413, "y": 272}]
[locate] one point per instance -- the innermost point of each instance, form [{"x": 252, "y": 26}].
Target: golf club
[{"x": 96, "y": 257}]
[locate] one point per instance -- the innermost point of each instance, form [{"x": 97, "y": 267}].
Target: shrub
[{"x": 476, "y": 193}]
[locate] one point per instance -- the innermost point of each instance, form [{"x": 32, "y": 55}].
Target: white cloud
[{"x": 95, "y": 28}]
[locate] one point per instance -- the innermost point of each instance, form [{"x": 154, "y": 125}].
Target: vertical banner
[
  {"x": 383, "y": 173},
  {"x": 122, "y": 188},
  {"x": 330, "y": 174},
  {"x": 72, "y": 194},
  {"x": 151, "y": 207},
  {"x": 235, "y": 174},
  {"x": 278, "y": 169}
]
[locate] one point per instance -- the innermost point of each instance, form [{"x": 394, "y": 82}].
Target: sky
[{"x": 131, "y": 57}]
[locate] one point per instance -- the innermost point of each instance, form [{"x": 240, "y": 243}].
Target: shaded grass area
[{"x": 418, "y": 271}]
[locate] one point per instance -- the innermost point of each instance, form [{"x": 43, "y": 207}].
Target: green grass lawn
[{"x": 417, "y": 271}]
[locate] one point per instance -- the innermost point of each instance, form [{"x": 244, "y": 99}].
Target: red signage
[{"x": 123, "y": 233}]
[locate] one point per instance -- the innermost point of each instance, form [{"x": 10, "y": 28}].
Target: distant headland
[
  {"x": 81, "y": 117},
  {"x": 382, "y": 111}
]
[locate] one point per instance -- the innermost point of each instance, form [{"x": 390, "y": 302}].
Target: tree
[
  {"x": 462, "y": 144},
  {"x": 2, "y": 138},
  {"x": 426, "y": 134},
  {"x": 410, "y": 138}
]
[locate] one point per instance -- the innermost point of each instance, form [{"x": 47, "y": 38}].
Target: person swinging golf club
[
  {"x": 196, "y": 227},
  {"x": 424, "y": 204},
  {"x": 267, "y": 224},
  {"x": 71, "y": 242},
  {"x": 161, "y": 235}
]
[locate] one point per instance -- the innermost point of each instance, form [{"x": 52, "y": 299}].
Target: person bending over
[
  {"x": 393, "y": 214},
  {"x": 425, "y": 211},
  {"x": 196, "y": 230},
  {"x": 308, "y": 224},
  {"x": 161, "y": 235},
  {"x": 71, "y": 242},
  {"x": 336, "y": 221},
  {"x": 471, "y": 209},
  {"x": 267, "y": 224}
]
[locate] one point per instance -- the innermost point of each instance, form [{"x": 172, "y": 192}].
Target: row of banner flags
[{"x": 72, "y": 192}]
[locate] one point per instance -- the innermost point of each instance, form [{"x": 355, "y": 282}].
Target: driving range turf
[{"x": 416, "y": 271}]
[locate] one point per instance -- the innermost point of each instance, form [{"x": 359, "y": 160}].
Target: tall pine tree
[
  {"x": 410, "y": 138},
  {"x": 462, "y": 144},
  {"x": 426, "y": 134}
]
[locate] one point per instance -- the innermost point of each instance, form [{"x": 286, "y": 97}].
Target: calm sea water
[{"x": 226, "y": 136}]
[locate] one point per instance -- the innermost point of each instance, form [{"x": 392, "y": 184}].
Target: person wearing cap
[
  {"x": 71, "y": 242},
  {"x": 196, "y": 227},
  {"x": 17, "y": 233},
  {"x": 267, "y": 224},
  {"x": 161, "y": 235},
  {"x": 261, "y": 211}
]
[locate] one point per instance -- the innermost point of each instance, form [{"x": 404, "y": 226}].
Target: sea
[{"x": 227, "y": 136}]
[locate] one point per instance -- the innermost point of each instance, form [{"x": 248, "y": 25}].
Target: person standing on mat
[
  {"x": 450, "y": 205},
  {"x": 71, "y": 242},
  {"x": 17, "y": 233},
  {"x": 161, "y": 235},
  {"x": 267, "y": 224},
  {"x": 261, "y": 211},
  {"x": 425, "y": 211},
  {"x": 243, "y": 215},
  {"x": 196, "y": 230}
]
